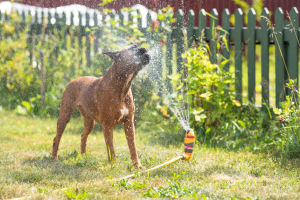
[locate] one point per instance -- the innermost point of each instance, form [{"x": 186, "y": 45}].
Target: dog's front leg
[
  {"x": 130, "y": 132},
  {"x": 109, "y": 141}
]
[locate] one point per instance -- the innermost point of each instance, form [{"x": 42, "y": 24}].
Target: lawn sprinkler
[{"x": 189, "y": 142}]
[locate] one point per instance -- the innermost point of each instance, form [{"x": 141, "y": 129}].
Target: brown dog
[{"x": 107, "y": 100}]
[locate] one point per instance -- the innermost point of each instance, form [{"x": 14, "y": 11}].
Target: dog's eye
[{"x": 133, "y": 46}]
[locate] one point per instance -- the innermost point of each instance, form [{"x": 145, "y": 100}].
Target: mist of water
[{"x": 154, "y": 72}]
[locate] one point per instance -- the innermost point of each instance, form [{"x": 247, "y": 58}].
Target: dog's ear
[{"x": 113, "y": 55}]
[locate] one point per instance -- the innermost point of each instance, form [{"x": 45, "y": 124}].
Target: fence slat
[
  {"x": 190, "y": 28},
  {"x": 121, "y": 18},
  {"x": 279, "y": 56},
  {"x": 57, "y": 21},
  {"x": 251, "y": 54},
  {"x": 238, "y": 53},
  {"x": 29, "y": 39},
  {"x": 139, "y": 20},
  {"x": 213, "y": 34},
  {"x": 225, "y": 35},
  {"x": 64, "y": 29},
  {"x": 96, "y": 39},
  {"x": 80, "y": 30},
  {"x": 88, "y": 40},
  {"x": 179, "y": 39},
  {"x": 35, "y": 25},
  {"x": 169, "y": 54},
  {"x": 201, "y": 24},
  {"x": 293, "y": 49},
  {"x": 23, "y": 18},
  {"x": 264, "y": 20},
  {"x": 148, "y": 24}
]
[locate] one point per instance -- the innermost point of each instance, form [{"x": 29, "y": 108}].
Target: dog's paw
[
  {"x": 55, "y": 157},
  {"x": 140, "y": 167}
]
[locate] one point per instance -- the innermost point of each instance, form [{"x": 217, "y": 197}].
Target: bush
[
  {"x": 18, "y": 80},
  {"x": 287, "y": 140}
]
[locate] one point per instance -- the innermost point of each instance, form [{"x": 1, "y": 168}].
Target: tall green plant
[{"x": 17, "y": 76}]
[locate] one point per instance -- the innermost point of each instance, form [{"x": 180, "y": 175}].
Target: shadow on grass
[
  {"x": 191, "y": 172},
  {"x": 72, "y": 166}
]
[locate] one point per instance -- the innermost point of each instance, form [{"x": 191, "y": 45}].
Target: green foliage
[
  {"x": 17, "y": 77},
  {"x": 80, "y": 160},
  {"x": 219, "y": 119},
  {"x": 73, "y": 194},
  {"x": 288, "y": 140},
  {"x": 174, "y": 190},
  {"x": 126, "y": 184},
  {"x": 208, "y": 84}
]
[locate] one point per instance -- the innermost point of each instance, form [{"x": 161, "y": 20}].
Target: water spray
[{"x": 189, "y": 142}]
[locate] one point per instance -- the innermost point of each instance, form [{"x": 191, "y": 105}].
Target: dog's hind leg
[
  {"x": 88, "y": 127},
  {"x": 66, "y": 109}
]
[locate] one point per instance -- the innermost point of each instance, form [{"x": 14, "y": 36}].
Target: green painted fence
[{"x": 284, "y": 35}]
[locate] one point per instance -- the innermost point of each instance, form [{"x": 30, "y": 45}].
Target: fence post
[
  {"x": 72, "y": 30},
  {"x": 179, "y": 39},
  {"x": 293, "y": 48},
  {"x": 139, "y": 20},
  {"x": 169, "y": 57},
  {"x": 251, "y": 54},
  {"x": 265, "y": 56},
  {"x": 213, "y": 34},
  {"x": 64, "y": 29},
  {"x": 148, "y": 24},
  {"x": 190, "y": 28},
  {"x": 238, "y": 53},
  {"x": 29, "y": 39},
  {"x": 201, "y": 24},
  {"x": 57, "y": 21},
  {"x": 87, "y": 40},
  {"x": 96, "y": 41},
  {"x": 80, "y": 32},
  {"x": 225, "y": 35},
  {"x": 23, "y": 19},
  {"x": 281, "y": 71}
]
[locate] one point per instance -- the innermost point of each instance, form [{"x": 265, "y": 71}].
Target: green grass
[{"x": 27, "y": 169}]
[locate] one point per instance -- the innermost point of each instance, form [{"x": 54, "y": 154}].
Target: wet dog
[{"x": 107, "y": 100}]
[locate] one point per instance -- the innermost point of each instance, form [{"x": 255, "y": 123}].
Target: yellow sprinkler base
[{"x": 189, "y": 141}]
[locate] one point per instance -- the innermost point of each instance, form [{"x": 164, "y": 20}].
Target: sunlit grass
[{"x": 27, "y": 169}]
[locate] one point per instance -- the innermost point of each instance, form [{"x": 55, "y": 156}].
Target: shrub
[{"x": 287, "y": 141}]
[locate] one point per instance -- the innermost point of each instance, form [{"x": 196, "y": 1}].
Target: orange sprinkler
[{"x": 189, "y": 142}]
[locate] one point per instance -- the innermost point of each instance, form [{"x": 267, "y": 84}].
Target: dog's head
[{"x": 131, "y": 59}]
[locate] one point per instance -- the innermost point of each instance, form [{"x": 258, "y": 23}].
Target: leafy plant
[
  {"x": 128, "y": 185},
  {"x": 288, "y": 139},
  {"x": 174, "y": 190},
  {"x": 80, "y": 160},
  {"x": 73, "y": 193}
]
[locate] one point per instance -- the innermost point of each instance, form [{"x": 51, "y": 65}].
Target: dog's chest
[{"x": 123, "y": 112}]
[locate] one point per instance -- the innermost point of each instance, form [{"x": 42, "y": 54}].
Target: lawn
[{"x": 28, "y": 171}]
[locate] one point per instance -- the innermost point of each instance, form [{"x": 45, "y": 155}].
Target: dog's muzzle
[{"x": 145, "y": 58}]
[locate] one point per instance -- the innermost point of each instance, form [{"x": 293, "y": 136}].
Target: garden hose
[{"x": 189, "y": 141}]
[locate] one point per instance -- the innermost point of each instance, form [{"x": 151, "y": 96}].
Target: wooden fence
[{"x": 284, "y": 35}]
